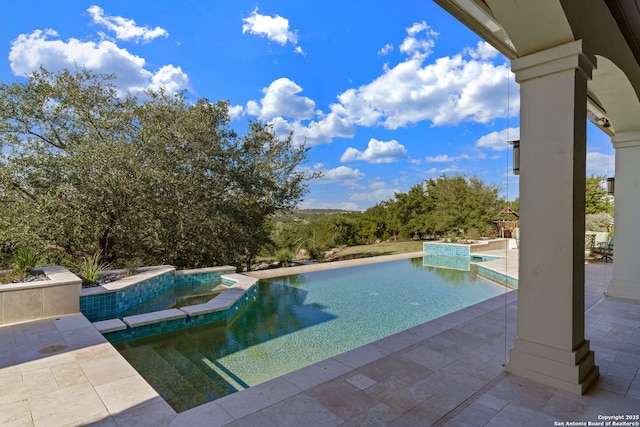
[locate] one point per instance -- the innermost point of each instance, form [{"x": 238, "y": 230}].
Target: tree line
[{"x": 453, "y": 208}]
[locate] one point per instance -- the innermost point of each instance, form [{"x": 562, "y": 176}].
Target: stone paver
[{"x": 61, "y": 371}]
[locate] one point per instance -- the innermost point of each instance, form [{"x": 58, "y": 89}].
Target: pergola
[
  {"x": 506, "y": 227},
  {"x": 575, "y": 60}
]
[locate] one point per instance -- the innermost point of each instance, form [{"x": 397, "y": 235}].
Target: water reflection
[
  {"x": 177, "y": 297},
  {"x": 446, "y": 262},
  {"x": 278, "y": 311}
]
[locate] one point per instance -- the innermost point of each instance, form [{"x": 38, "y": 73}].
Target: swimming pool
[{"x": 298, "y": 320}]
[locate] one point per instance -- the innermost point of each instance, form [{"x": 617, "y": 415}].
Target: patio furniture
[{"x": 605, "y": 250}]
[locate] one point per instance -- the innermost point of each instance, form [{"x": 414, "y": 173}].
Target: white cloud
[
  {"x": 445, "y": 158},
  {"x": 43, "y": 48},
  {"x": 125, "y": 29},
  {"x": 341, "y": 175},
  {"x": 281, "y": 100},
  {"x": 600, "y": 163},
  {"x": 451, "y": 90},
  {"x": 170, "y": 78},
  {"x": 416, "y": 46},
  {"x": 446, "y": 92},
  {"x": 441, "y": 158},
  {"x": 386, "y": 49},
  {"x": 483, "y": 51},
  {"x": 376, "y": 191},
  {"x": 274, "y": 28},
  {"x": 453, "y": 169},
  {"x": 498, "y": 141},
  {"x": 316, "y": 132},
  {"x": 235, "y": 112},
  {"x": 376, "y": 152},
  {"x": 325, "y": 129}
]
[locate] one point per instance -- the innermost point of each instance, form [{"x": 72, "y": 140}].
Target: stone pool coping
[
  {"x": 114, "y": 299},
  {"x": 125, "y": 282},
  {"x": 239, "y": 286},
  {"x": 321, "y": 266},
  {"x": 503, "y": 270},
  {"x": 56, "y": 276}
]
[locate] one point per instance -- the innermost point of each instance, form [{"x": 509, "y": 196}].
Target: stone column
[
  {"x": 626, "y": 269},
  {"x": 550, "y": 347}
]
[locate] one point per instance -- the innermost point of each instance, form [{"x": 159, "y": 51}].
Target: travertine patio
[{"x": 61, "y": 371}]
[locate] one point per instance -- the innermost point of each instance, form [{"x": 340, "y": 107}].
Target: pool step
[
  {"x": 206, "y": 384},
  {"x": 154, "y": 370},
  {"x": 226, "y": 380}
]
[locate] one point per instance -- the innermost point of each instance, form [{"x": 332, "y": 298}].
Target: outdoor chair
[
  {"x": 605, "y": 250},
  {"x": 602, "y": 238}
]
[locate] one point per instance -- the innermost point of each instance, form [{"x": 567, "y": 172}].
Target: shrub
[
  {"x": 315, "y": 252},
  {"x": 90, "y": 267},
  {"x": 132, "y": 265},
  {"x": 598, "y": 222},
  {"x": 11, "y": 277},
  {"x": 283, "y": 256},
  {"x": 22, "y": 262},
  {"x": 25, "y": 259}
]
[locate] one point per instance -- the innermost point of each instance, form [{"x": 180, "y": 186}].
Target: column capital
[
  {"x": 626, "y": 139},
  {"x": 573, "y": 55}
]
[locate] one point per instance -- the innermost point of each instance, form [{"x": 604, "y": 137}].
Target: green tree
[
  {"x": 158, "y": 177},
  {"x": 372, "y": 227},
  {"x": 457, "y": 204},
  {"x": 596, "y": 198},
  {"x": 410, "y": 210},
  {"x": 462, "y": 205},
  {"x": 342, "y": 229},
  {"x": 381, "y": 221}
]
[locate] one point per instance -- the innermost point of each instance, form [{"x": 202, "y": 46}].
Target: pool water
[
  {"x": 299, "y": 320},
  {"x": 178, "y": 297}
]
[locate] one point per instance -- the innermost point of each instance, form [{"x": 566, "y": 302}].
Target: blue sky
[{"x": 386, "y": 95}]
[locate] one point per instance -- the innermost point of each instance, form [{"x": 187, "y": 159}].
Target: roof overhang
[{"x": 477, "y": 16}]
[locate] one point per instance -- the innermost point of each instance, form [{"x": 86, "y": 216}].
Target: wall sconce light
[
  {"x": 516, "y": 156},
  {"x": 604, "y": 122},
  {"x": 597, "y": 115},
  {"x": 611, "y": 186}
]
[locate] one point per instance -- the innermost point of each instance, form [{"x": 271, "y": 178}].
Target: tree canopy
[
  {"x": 596, "y": 198},
  {"x": 454, "y": 205},
  {"x": 157, "y": 178}
]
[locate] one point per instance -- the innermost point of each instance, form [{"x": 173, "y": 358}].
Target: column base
[
  {"x": 620, "y": 288},
  {"x": 572, "y": 371}
]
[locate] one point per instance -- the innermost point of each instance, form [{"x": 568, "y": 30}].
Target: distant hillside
[
  {"x": 320, "y": 211},
  {"x": 308, "y": 215}
]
